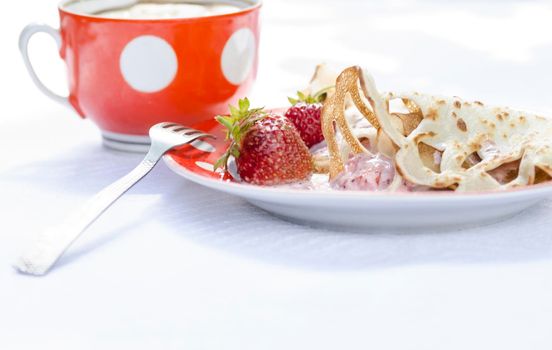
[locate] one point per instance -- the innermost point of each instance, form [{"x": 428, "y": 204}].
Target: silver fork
[{"x": 50, "y": 245}]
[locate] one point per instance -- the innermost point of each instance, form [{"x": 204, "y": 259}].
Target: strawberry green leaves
[
  {"x": 237, "y": 124},
  {"x": 301, "y": 97},
  {"x": 319, "y": 97}
]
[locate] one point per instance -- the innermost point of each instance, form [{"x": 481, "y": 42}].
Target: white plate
[
  {"x": 366, "y": 209},
  {"x": 355, "y": 208}
]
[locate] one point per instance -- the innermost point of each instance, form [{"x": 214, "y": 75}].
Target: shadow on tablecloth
[{"x": 231, "y": 224}]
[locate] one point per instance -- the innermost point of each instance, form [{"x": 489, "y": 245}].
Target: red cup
[{"x": 129, "y": 74}]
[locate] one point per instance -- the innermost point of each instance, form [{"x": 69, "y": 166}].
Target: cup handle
[{"x": 24, "y": 38}]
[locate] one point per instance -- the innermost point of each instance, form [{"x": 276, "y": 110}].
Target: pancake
[{"x": 438, "y": 141}]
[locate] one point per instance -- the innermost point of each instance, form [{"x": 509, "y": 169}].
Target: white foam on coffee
[
  {"x": 139, "y": 9},
  {"x": 95, "y": 6},
  {"x": 166, "y": 11}
]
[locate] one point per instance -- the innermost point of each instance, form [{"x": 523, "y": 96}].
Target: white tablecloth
[{"x": 176, "y": 266}]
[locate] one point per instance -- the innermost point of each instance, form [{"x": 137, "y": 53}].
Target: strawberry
[
  {"x": 267, "y": 147},
  {"x": 305, "y": 115}
]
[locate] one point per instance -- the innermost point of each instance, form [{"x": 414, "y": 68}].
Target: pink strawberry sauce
[{"x": 364, "y": 172}]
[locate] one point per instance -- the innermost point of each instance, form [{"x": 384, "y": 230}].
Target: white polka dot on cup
[
  {"x": 148, "y": 64},
  {"x": 238, "y": 55}
]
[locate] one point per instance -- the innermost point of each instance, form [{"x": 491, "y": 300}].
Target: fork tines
[
  {"x": 169, "y": 125},
  {"x": 192, "y": 134}
]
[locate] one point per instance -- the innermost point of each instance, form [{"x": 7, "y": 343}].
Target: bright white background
[{"x": 176, "y": 266}]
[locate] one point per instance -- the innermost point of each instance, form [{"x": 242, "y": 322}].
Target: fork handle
[{"x": 50, "y": 245}]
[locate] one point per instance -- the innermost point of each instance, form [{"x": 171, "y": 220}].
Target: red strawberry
[
  {"x": 305, "y": 115},
  {"x": 267, "y": 147}
]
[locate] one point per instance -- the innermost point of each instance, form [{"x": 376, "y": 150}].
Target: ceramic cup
[{"x": 129, "y": 74}]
